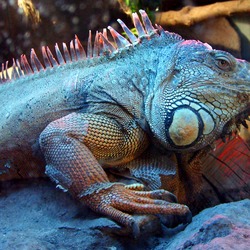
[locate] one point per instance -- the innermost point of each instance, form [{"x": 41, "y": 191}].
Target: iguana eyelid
[{"x": 224, "y": 62}]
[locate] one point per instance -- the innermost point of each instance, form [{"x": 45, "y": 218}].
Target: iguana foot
[{"x": 119, "y": 203}]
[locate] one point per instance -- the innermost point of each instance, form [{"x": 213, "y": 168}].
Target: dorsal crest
[{"x": 75, "y": 51}]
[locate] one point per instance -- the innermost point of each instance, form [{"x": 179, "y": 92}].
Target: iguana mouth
[{"x": 232, "y": 127}]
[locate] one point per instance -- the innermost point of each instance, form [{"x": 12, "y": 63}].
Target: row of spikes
[{"x": 102, "y": 45}]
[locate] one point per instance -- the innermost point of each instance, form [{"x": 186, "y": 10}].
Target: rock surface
[{"x": 35, "y": 215}]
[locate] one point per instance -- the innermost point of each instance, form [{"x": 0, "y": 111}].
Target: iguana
[{"x": 151, "y": 103}]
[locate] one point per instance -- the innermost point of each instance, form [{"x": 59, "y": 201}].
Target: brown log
[{"x": 190, "y": 15}]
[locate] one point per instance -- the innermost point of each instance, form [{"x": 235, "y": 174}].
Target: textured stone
[{"x": 35, "y": 215}]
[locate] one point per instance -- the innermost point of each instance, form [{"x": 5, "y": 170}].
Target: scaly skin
[
  {"x": 162, "y": 113},
  {"x": 81, "y": 137}
]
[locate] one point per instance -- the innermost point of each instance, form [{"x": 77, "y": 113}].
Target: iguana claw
[{"x": 120, "y": 204}]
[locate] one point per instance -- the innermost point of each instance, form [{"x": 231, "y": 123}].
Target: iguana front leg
[{"x": 75, "y": 145}]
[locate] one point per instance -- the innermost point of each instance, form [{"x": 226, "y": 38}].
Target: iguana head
[{"x": 206, "y": 97}]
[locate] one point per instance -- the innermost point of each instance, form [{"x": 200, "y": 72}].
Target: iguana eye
[{"x": 224, "y": 62}]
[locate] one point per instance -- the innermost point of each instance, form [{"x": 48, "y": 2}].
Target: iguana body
[{"x": 145, "y": 104}]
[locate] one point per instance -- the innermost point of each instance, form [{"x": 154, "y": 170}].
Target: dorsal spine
[{"x": 102, "y": 46}]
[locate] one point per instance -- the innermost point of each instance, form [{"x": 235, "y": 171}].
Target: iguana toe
[
  {"x": 120, "y": 204},
  {"x": 159, "y": 194}
]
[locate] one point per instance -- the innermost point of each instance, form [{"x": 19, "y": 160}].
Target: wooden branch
[{"x": 190, "y": 15}]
